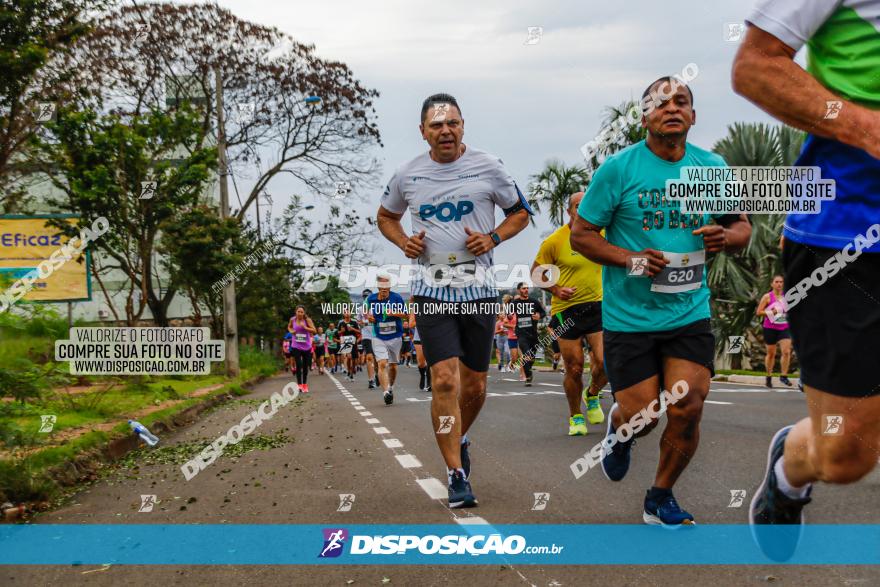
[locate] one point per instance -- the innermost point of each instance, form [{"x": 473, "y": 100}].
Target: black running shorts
[
  {"x": 368, "y": 346},
  {"x": 632, "y": 357},
  {"x": 586, "y": 319},
  {"x": 835, "y": 327},
  {"x": 773, "y": 336},
  {"x": 460, "y": 330}
]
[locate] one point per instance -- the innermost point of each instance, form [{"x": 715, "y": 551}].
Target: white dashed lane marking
[
  {"x": 433, "y": 488},
  {"x": 408, "y": 461}
]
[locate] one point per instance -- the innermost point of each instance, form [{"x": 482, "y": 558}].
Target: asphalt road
[{"x": 387, "y": 458}]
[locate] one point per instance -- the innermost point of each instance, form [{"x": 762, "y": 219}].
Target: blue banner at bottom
[{"x": 279, "y": 544}]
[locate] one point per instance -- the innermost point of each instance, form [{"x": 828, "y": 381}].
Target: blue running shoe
[
  {"x": 665, "y": 511},
  {"x": 466, "y": 458},
  {"x": 460, "y": 494},
  {"x": 615, "y": 462},
  {"x": 776, "y": 520}
]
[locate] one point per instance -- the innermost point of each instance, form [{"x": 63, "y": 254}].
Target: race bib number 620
[{"x": 683, "y": 273}]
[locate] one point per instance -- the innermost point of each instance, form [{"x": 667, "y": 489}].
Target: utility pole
[{"x": 230, "y": 316}]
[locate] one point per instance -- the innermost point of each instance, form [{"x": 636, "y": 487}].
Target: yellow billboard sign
[{"x": 40, "y": 264}]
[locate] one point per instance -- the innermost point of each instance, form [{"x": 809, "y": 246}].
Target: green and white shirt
[
  {"x": 843, "y": 54},
  {"x": 842, "y": 37}
]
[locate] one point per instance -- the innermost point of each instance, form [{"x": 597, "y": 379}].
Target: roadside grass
[{"x": 27, "y": 346}]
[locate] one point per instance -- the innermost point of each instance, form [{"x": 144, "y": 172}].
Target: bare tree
[{"x": 288, "y": 111}]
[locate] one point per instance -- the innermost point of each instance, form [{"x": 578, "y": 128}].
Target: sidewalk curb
[{"x": 756, "y": 379}]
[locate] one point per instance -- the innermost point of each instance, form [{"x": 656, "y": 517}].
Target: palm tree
[
  {"x": 626, "y": 133},
  {"x": 557, "y": 182},
  {"x": 553, "y": 186},
  {"x": 738, "y": 281}
]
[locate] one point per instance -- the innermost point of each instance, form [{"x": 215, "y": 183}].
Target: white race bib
[
  {"x": 387, "y": 327},
  {"x": 525, "y": 322},
  {"x": 683, "y": 273},
  {"x": 776, "y": 313},
  {"x": 455, "y": 268},
  {"x": 300, "y": 337}
]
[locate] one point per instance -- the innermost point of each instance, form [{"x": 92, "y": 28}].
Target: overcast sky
[{"x": 524, "y": 103}]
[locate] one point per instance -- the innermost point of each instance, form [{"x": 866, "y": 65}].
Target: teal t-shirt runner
[{"x": 627, "y": 197}]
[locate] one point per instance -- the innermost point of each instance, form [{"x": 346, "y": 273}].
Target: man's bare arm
[
  {"x": 563, "y": 293},
  {"x": 731, "y": 234},
  {"x": 479, "y": 243},
  {"x": 765, "y": 73},
  {"x": 586, "y": 240},
  {"x": 512, "y": 225},
  {"x": 392, "y": 229}
]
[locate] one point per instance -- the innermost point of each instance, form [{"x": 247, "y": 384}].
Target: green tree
[
  {"x": 32, "y": 33},
  {"x": 552, "y": 187},
  {"x": 739, "y": 280},
  {"x": 99, "y": 163},
  {"x": 199, "y": 250},
  {"x": 621, "y": 127}
]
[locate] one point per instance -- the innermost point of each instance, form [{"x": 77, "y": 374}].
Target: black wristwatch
[{"x": 495, "y": 238}]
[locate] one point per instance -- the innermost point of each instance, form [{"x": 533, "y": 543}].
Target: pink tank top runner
[
  {"x": 302, "y": 340},
  {"x": 779, "y": 310}
]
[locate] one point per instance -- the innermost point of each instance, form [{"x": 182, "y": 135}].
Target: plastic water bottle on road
[{"x": 142, "y": 431}]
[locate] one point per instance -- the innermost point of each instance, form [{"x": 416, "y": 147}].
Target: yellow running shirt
[{"x": 575, "y": 270}]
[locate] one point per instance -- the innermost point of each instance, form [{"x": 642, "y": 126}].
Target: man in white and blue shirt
[
  {"x": 385, "y": 311},
  {"x": 452, "y": 192}
]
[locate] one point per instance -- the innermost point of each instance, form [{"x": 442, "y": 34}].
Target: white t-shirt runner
[
  {"x": 366, "y": 325},
  {"x": 443, "y": 199}
]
